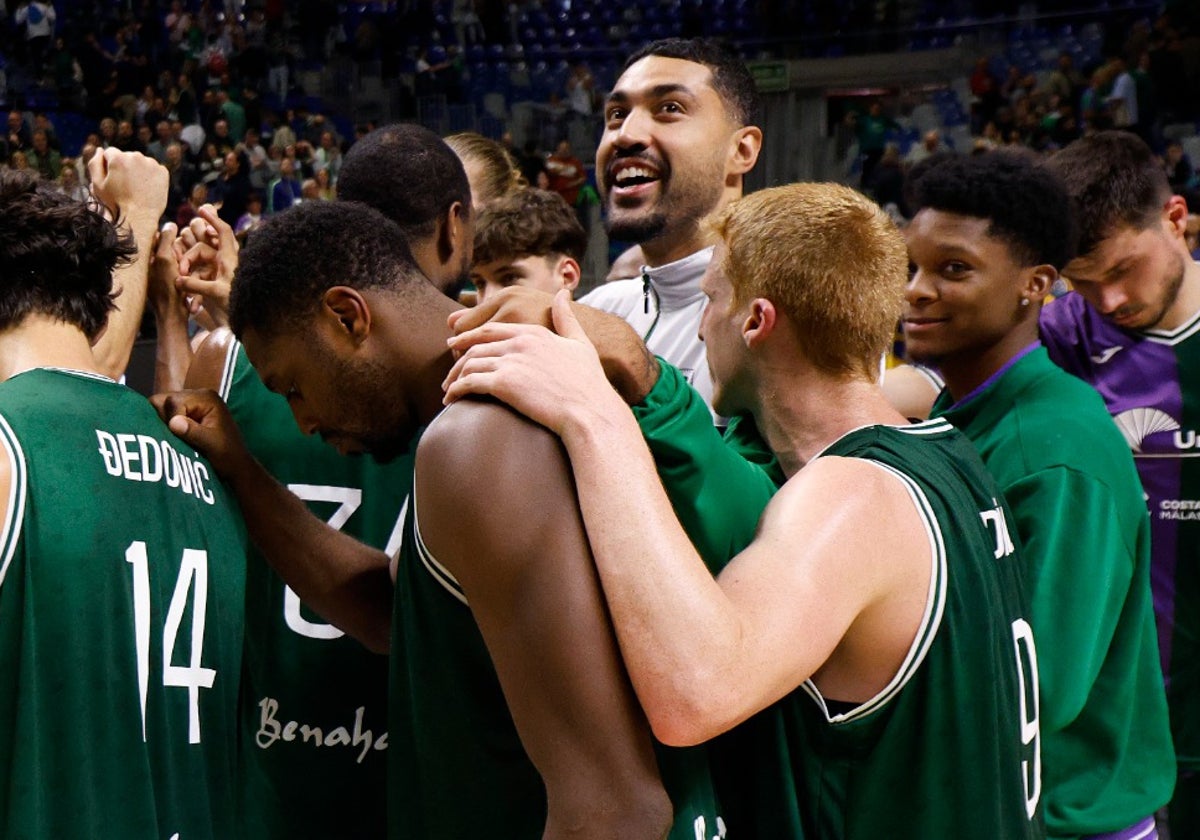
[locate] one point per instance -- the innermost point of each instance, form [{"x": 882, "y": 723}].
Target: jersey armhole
[
  {"x": 935, "y": 605},
  {"x": 436, "y": 570},
  {"x": 14, "y": 514}
]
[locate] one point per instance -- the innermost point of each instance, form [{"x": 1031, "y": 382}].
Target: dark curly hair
[
  {"x": 57, "y": 255},
  {"x": 407, "y": 173},
  {"x": 731, "y": 78},
  {"x": 1113, "y": 181},
  {"x": 294, "y": 257},
  {"x": 528, "y": 223},
  {"x": 1026, "y": 205}
]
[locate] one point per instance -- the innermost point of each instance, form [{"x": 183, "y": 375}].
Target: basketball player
[
  {"x": 362, "y": 364},
  {"x": 871, "y": 677},
  {"x": 121, "y": 573},
  {"x": 1129, "y": 329},
  {"x": 988, "y": 234}
]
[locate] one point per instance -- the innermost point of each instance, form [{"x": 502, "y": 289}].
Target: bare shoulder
[
  {"x": 208, "y": 362},
  {"x": 484, "y": 464},
  {"x": 853, "y": 497}
]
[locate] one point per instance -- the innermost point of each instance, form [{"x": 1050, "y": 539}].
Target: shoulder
[
  {"x": 481, "y": 463},
  {"x": 212, "y": 363},
  {"x": 478, "y": 448}
]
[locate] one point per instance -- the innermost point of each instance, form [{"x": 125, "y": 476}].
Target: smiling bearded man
[{"x": 677, "y": 142}]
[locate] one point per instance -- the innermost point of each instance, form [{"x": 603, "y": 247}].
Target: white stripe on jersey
[{"x": 10, "y": 535}]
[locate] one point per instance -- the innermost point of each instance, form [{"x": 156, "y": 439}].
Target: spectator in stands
[
  {"x": 326, "y": 190},
  {"x": 222, "y": 136},
  {"x": 581, "y": 90},
  {"x": 46, "y": 161},
  {"x": 285, "y": 190},
  {"x": 232, "y": 189},
  {"x": 1065, "y": 81},
  {"x": 251, "y": 219},
  {"x": 235, "y": 117},
  {"x": 931, "y": 144},
  {"x": 19, "y": 135},
  {"x": 68, "y": 180},
  {"x": 38, "y": 17},
  {"x": 187, "y": 210},
  {"x": 157, "y": 147},
  {"x": 328, "y": 155},
  {"x": 567, "y": 173},
  {"x": 1122, "y": 103},
  {"x": 182, "y": 176},
  {"x": 256, "y": 158},
  {"x": 19, "y": 160},
  {"x": 871, "y": 129}
]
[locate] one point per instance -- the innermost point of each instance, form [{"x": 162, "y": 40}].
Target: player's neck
[
  {"x": 1187, "y": 302},
  {"x": 692, "y": 236},
  {"x": 42, "y": 341},
  {"x": 965, "y": 372},
  {"x": 802, "y": 414}
]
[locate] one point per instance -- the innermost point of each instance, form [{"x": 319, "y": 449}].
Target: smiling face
[
  {"x": 349, "y": 401},
  {"x": 663, "y": 159},
  {"x": 1132, "y": 277},
  {"x": 962, "y": 308}
]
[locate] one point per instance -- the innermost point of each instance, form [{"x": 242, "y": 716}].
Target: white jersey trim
[
  {"x": 1176, "y": 336},
  {"x": 14, "y": 519},
  {"x": 439, "y": 572},
  {"x": 931, "y": 620},
  {"x": 227, "y": 370}
]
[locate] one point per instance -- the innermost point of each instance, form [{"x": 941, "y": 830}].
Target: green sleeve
[
  {"x": 1078, "y": 578},
  {"x": 718, "y": 485}
]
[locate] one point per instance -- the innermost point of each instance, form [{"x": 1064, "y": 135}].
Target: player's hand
[
  {"x": 162, "y": 292},
  {"x": 129, "y": 183},
  {"x": 554, "y": 379},
  {"x": 512, "y": 305},
  {"x": 201, "y": 419},
  {"x": 207, "y": 251}
]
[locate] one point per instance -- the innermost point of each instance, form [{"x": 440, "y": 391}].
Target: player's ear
[
  {"x": 743, "y": 153},
  {"x": 452, "y": 238},
  {"x": 346, "y": 308},
  {"x": 1037, "y": 282},
  {"x": 1175, "y": 215},
  {"x": 569, "y": 272},
  {"x": 759, "y": 323}
]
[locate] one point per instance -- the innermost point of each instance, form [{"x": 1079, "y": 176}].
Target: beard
[
  {"x": 1171, "y": 289},
  {"x": 638, "y": 229}
]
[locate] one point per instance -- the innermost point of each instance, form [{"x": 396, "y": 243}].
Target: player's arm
[
  {"x": 497, "y": 507},
  {"x": 209, "y": 361},
  {"x": 133, "y": 188},
  {"x": 173, "y": 351},
  {"x": 1082, "y": 554},
  {"x": 347, "y": 582},
  {"x": 705, "y": 654}
]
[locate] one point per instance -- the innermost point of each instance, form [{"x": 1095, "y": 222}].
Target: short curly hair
[
  {"x": 528, "y": 223},
  {"x": 57, "y": 255},
  {"x": 407, "y": 173},
  {"x": 1026, "y": 205},
  {"x": 295, "y": 257}
]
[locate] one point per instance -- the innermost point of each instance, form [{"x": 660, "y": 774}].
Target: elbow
[{"x": 687, "y": 721}]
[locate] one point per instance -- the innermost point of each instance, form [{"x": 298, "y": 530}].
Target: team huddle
[{"x": 675, "y": 560}]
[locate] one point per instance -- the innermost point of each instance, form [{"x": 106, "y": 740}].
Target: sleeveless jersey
[
  {"x": 950, "y": 747},
  {"x": 314, "y": 708},
  {"x": 1150, "y": 382},
  {"x": 457, "y": 767},
  {"x": 121, "y": 586}
]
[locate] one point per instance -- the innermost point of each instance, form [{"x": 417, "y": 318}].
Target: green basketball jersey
[
  {"x": 314, "y": 709},
  {"x": 457, "y": 767},
  {"x": 121, "y": 602},
  {"x": 950, "y": 747}
]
